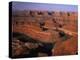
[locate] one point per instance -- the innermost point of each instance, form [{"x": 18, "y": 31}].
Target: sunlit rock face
[
  {"x": 45, "y": 33},
  {"x": 68, "y": 47}
]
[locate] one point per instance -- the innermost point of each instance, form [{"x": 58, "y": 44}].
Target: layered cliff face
[{"x": 48, "y": 27}]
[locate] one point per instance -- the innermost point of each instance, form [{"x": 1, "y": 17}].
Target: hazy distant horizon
[{"x": 43, "y": 7}]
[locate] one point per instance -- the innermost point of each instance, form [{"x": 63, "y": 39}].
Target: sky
[{"x": 43, "y": 6}]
